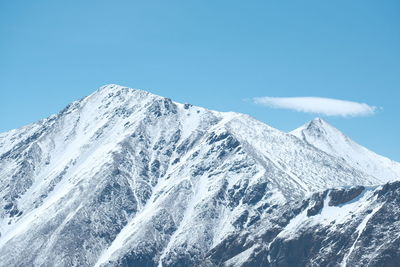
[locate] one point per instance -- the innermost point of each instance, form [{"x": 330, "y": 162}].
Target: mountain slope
[
  {"x": 330, "y": 140},
  {"x": 354, "y": 226},
  {"x": 125, "y": 177}
]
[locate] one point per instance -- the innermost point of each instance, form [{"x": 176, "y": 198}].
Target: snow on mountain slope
[
  {"x": 329, "y": 139},
  {"x": 352, "y": 226},
  {"x": 125, "y": 177}
]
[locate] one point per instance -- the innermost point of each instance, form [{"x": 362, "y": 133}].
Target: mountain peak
[
  {"x": 316, "y": 127},
  {"x": 318, "y": 120},
  {"x": 115, "y": 89},
  {"x": 329, "y": 139},
  {"x": 319, "y": 123},
  {"x": 113, "y": 97}
]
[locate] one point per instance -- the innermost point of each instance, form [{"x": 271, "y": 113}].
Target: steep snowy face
[
  {"x": 125, "y": 177},
  {"x": 330, "y": 140}
]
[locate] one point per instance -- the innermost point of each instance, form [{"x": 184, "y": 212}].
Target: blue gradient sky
[{"x": 209, "y": 53}]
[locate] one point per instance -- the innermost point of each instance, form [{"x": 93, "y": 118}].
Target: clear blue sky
[{"x": 208, "y": 53}]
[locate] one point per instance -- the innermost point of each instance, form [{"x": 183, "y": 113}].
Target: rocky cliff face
[{"x": 127, "y": 178}]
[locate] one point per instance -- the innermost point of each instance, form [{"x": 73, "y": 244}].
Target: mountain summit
[
  {"x": 332, "y": 141},
  {"x": 127, "y": 178}
]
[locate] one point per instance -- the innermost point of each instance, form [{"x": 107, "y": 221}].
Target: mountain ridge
[{"x": 125, "y": 177}]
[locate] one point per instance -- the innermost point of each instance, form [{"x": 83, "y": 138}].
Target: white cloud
[{"x": 319, "y": 105}]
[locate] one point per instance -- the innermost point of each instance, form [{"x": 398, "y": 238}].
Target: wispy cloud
[{"x": 319, "y": 105}]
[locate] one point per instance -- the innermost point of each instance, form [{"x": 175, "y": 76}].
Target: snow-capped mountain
[
  {"x": 127, "y": 178},
  {"x": 330, "y": 140}
]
